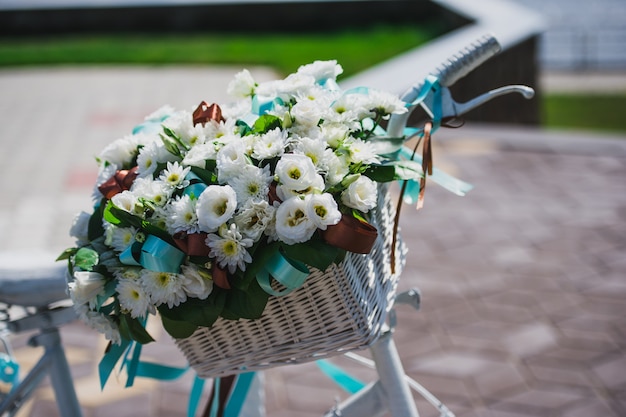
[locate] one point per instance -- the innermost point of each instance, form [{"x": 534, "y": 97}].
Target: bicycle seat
[{"x": 31, "y": 279}]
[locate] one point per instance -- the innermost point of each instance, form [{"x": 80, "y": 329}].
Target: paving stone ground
[{"x": 523, "y": 280}]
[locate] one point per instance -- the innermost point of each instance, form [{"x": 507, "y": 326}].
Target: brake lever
[{"x": 453, "y": 109}]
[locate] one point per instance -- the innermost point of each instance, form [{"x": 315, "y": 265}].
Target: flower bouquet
[{"x": 219, "y": 215}]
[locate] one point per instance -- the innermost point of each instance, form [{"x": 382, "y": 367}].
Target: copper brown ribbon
[
  {"x": 193, "y": 244},
  {"x": 427, "y": 168},
  {"x": 220, "y": 276},
  {"x": 205, "y": 113},
  {"x": 122, "y": 180},
  {"x": 351, "y": 234}
]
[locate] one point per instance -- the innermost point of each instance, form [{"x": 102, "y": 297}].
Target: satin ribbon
[
  {"x": 347, "y": 382},
  {"x": 263, "y": 105},
  {"x": 205, "y": 113},
  {"x": 150, "y": 126},
  {"x": 220, "y": 276},
  {"x": 155, "y": 254},
  {"x": 289, "y": 273},
  {"x": 122, "y": 180},
  {"x": 351, "y": 234},
  {"x": 193, "y": 244}
]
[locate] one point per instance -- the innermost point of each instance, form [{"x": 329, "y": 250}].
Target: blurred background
[{"x": 523, "y": 279}]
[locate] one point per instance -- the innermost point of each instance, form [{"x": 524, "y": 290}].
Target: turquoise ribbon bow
[
  {"x": 289, "y": 273},
  {"x": 154, "y": 254}
]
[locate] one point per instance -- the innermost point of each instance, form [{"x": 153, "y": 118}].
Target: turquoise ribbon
[
  {"x": 194, "y": 396},
  {"x": 155, "y": 254},
  {"x": 9, "y": 370},
  {"x": 344, "y": 380},
  {"x": 265, "y": 105},
  {"x": 235, "y": 402},
  {"x": 110, "y": 359},
  {"x": 447, "y": 181},
  {"x": 149, "y": 126},
  {"x": 195, "y": 187},
  {"x": 289, "y": 273}
]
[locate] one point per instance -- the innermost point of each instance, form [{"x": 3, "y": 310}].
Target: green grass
[
  {"x": 354, "y": 49},
  {"x": 599, "y": 112}
]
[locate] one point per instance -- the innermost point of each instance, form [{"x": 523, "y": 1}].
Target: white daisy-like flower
[
  {"x": 163, "y": 287},
  {"x": 80, "y": 227},
  {"x": 197, "y": 282},
  {"x": 254, "y": 217},
  {"x": 174, "y": 175},
  {"x": 270, "y": 145},
  {"x": 158, "y": 192},
  {"x": 215, "y": 206},
  {"x": 133, "y": 297},
  {"x": 252, "y": 183},
  {"x": 308, "y": 112},
  {"x": 120, "y": 152},
  {"x": 350, "y": 107},
  {"x": 199, "y": 154},
  {"x": 242, "y": 85},
  {"x": 182, "y": 215},
  {"x": 86, "y": 287},
  {"x": 293, "y": 85},
  {"x": 334, "y": 134},
  {"x": 315, "y": 149},
  {"x": 128, "y": 273},
  {"x": 120, "y": 238},
  {"x": 229, "y": 248},
  {"x": 105, "y": 325},
  {"x": 150, "y": 156},
  {"x": 385, "y": 103},
  {"x": 181, "y": 123},
  {"x": 292, "y": 223},
  {"x": 322, "y": 70},
  {"x": 360, "y": 194},
  {"x": 322, "y": 210},
  {"x": 230, "y": 160},
  {"x": 361, "y": 151}
]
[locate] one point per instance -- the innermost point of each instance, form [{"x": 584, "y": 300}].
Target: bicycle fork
[{"x": 390, "y": 392}]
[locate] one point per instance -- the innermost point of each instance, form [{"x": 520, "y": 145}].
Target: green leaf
[
  {"x": 178, "y": 329},
  {"x": 198, "y": 312},
  {"x": 265, "y": 123},
  {"x": 95, "y": 229},
  {"x": 66, "y": 254},
  {"x": 248, "y": 304},
  {"x": 86, "y": 259},
  {"x": 121, "y": 218},
  {"x": 315, "y": 253},
  {"x": 171, "y": 146},
  {"x": 134, "y": 329},
  {"x": 207, "y": 176},
  {"x": 395, "y": 170}
]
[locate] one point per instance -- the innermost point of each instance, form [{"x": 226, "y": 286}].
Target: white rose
[
  {"x": 292, "y": 223},
  {"x": 86, "y": 287},
  {"x": 215, "y": 206},
  {"x": 360, "y": 195},
  {"x": 322, "y": 70},
  {"x": 230, "y": 160},
  {"x": 322, "y": 210},
  {"x": 196, "y": 283}
]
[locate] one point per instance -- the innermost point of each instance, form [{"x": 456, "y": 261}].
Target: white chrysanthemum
[
  {"x": 199, "y": 154},
  {"x": 334, "y": 134},
  {"x": 120, "y": 238},
  {"x": 270, "y": 145},
  {"x": 230, "y": 160},
  {"x": 163, "y": 287},
  {"x": 322, "y": 70},
  {"x": 315, "y": 149},
  {"x": 361, "y": 151},
  {"x": 360, "y": 194},
  {"x": 197, "y": 283},
  {"x": 150, "y": 156},
  {"x": 215, "y": 206},
  {"x": 174, "y": 175},
  {"x": 254, "y": 217},
  {"x": 181, "y": 123},
  {"x": 288, "y": 88},
  {"x": 322, "y": 210},
  {"x": 103, "y": 324},
  {"x": 234, "y": 111},
  {"x": 133, "y": 297},
  {"x": 385, "y": 103},
  {"x": 128, "y": 272},
  {"x": 182, "y": 215},
  {"x": 251, "y": 183},
  {"x": 120, "y": 152},
  {"x": 127, "y": 201},
  {"x": 337, "y": 167},
  {"x": 242, "y": 85},
  {"x": 350, "y": 107},
  {"x": 80, "y": 228},
  {"x": 229, "y": 248},
  {"x": 85, "y": 287},
  {"x": 292, "y": 223},
  {"x": 157, "y": 191}
]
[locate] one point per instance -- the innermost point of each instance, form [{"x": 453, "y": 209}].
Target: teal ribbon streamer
[
  {"x": 110, "y": 359},
  {"x": 344, "y": 380},
  {"x": 216, "y": 395},
  {"x": 195, "y": 395},
  {"x": 158, "y": 255},
  {"x": 239, "y": 393},
  {"x": 289, "y": 273}
]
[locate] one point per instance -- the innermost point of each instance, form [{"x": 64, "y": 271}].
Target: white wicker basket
[{"x": 341, "y": 309}]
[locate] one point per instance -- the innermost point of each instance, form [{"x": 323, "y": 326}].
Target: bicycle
[{"x": 43, "y": 310}]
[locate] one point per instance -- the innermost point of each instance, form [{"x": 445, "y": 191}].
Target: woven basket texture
[{"x": 341, "y": 309}]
